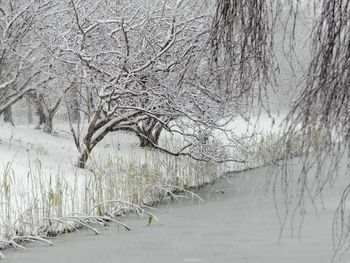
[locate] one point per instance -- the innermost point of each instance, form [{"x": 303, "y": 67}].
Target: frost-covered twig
[
  {"x": 13, "y": 243},
  {"x": 33, "y": 238},
  {"x": 136, "y": 207},
  {"x": 182, "y": 190}
]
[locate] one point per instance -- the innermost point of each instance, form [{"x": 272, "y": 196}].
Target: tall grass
[
  {"x": 271, "y": 148},
  {"x": 37, "y": 205}
]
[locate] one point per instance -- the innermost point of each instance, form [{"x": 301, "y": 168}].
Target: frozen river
[{"x": 236, "y": 223}]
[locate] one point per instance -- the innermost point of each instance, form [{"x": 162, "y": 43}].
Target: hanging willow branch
[
  {"x": 323, "y": 107},
  {"x": 242, "y": 43},
  {"x": 324, "y": 103},
  {"x": 325, "y": 100}
]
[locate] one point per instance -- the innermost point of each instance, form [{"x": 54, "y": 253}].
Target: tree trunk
[
  {"x": 84, "y": 157},
  {"x": 29, "y": 110},
  {"x": 75, "y": 105},
  {"x": 48, "y": 122},
  {"x": 90, "y": 104},
  {"x": 88, "y": 144},
  {"x": 145, "y": 142},
  {"x": 41, "y": 114},
  {"x": 157, "y": 132},
  {"x": 149, "y": 138},
  {"x": 99, "y": 127},
  {"x": 46, "y": 115},
  {"x": 7, "y": 115},
  {"x": 45, "y": 119}
]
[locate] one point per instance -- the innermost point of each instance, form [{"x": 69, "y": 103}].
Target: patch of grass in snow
[
  {"x": 271, "y": 148},
  {"x": 145, "y": 181},
  {"x": 36, "y": 206}
]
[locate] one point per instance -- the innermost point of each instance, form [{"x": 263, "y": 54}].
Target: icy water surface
[{"x": 237, "y": 223}]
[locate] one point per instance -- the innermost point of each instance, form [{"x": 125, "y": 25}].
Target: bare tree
[
  {"x": 145, "y": 67},
  {"x": 17, "y": 53},
  {"x": 47, "y": 99},
  {"x": 46, "y": 110}
]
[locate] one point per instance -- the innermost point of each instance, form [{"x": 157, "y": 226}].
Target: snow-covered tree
[
  {"x": 19, "y": 61},
  {"x": 145, "y": 65}
]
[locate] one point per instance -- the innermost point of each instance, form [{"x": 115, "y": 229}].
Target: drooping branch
[
  {"x": 321, "y": 110},
  {"x": 241, "y": 41}
]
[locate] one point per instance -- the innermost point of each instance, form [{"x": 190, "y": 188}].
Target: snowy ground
[
  {"x": 57, "y": 152},
  {"x": 39, "y": 179},
  {"x": 22, "y": 143},
  {"x": 237, "y": 223}
]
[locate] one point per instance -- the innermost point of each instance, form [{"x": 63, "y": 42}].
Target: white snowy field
[
  {"x": 44, "y": 193},
  {"x": 23, "y": 144},
  {"x": 40, "y": 181}
]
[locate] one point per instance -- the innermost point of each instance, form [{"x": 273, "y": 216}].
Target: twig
[{"x": 138, "y": 208}]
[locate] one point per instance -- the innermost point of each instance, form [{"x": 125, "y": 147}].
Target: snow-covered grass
[
  {"x": 43, "y": 193},
  {"x": 270, "y": 148}
]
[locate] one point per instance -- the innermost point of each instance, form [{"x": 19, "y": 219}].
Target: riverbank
[
  {"x": 44, "y": 194},
  {"x": 236, "y": 223}
]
